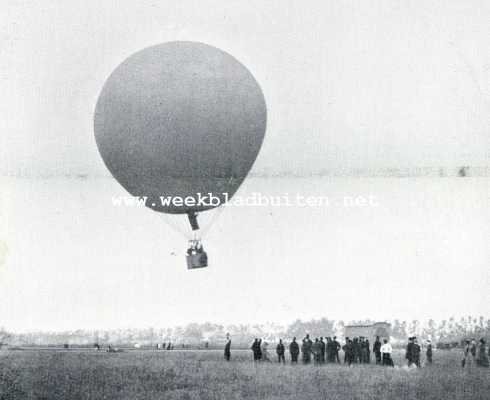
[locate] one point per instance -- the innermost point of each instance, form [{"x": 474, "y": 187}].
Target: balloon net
[{"x": 180, "y": 223}]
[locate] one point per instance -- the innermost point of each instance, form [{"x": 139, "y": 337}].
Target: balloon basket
[{"x": 199, "y": 260}]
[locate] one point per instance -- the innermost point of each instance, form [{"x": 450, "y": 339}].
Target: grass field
[{"x": 133, "y": 375}]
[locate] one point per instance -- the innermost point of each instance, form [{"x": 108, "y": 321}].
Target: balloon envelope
[{"x": 177, "y": 120}]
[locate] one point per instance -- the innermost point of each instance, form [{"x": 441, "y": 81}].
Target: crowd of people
[
  {"x": 475, "y": 354},
  {"x": 324, "y": 350},
  {"x": 357, "y": 350}
]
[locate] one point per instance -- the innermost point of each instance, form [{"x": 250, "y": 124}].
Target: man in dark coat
[
  {"x": 349, "y": 352},
  {"x": 330, "y": 350},
  {"x": 362, "y": 345},
  {"x": 280, "y": 352},
  {"x": 377, "y": 350},
  {"x": 356, "y": 350},
  {"x": 336, "y": 348},
  {"x": 306, "y": 348},
  {"x": 316, "y": 349},
  {"x": 294, "y": 350},
  {"x": 428, "y": 352},
  {"x": 228, "y": 350},
  {"x": 416, "y": 352},
  {"x": 481, "y": 355},
  {"x": 257, "y": 352},
  {"x": 368, "y": 351},
  {"x": 347, "y": 339},
  {"x": 409, "y": 351},
  {"x": 322, "y": 350}
]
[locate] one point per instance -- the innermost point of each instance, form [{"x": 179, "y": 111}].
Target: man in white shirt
[{"x": 386, "y": 351}]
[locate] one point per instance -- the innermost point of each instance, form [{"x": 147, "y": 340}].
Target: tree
[
  {"x": 414, "y": 329},
  {"x": 315, "y": 327},
  {"x": 399, "y": 330},
  {"x": 192, "y": 333},
  {"x": 430, "y": 330},
  {"x": 4, "y": 337}
]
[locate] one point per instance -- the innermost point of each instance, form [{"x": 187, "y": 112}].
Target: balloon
[{"x": 180, "y": 120}]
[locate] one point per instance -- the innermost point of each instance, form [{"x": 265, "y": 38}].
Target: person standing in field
[
  {"x": 294, "y": 350},
  {"x": 368, "y": 351},
  {"x": 349, "y": 352},
  {"x": 386, "y": 351},
  {"x": 331, "y": 348},
  {"x": 228, "y": 350},
  {"x": 316, "y": 349},
  {"x": 468, "y": 360},
  {"x": 265, "y": 352},
  {"x": 473, "y": 347},
  {"x": 256, "y": 349},
  {"x": 364, "y": 350},
  {"x": 306, "y": 348},
  {"x": 409, "y": 351},
  {"x": 482, "y": 357},
  {"x": 322, "y": 350},
  {"x": 416, "y": 352},
  {"x": 377, "y": 350},
  {"x": 328, "y": 349},
  {"x": 336, "y": 348},
  {"x": 428, "y": 352},
  {"x": 280, "y": 352},
  {"x": 347, "y": 339},
  {"x": 253, "y": 347},
  {"x": 357, "y": 350}
]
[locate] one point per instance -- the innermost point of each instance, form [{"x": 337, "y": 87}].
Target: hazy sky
[
  {"x": 76, "y": 261},
  {"x": 348, "y": 83}
]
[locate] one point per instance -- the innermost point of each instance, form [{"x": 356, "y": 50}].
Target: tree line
[{"x": 211, "y": 335}]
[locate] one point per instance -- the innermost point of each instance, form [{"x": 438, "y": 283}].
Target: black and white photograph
[{"x": 245, "y": 200}]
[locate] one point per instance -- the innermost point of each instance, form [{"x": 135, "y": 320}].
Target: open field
[{"x": 134, "y": 375}]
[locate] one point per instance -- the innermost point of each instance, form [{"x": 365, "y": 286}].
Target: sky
[{"x": 348, "y": 85}]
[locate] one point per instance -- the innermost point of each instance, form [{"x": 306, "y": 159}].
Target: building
[{"x": 370, "y": 331}]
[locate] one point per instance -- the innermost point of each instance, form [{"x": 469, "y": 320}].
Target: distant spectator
[
  {"x": 265, "y": 352},
  {"x": 416, "y": 352},
  {"x": 428, "y": 352},
  {"x": 323, "y": 349},
  {"x": 469, "y": 354},
  {"x": 316, "y": 350},
  {"x": 228, "y": 350},
  {"x": 280, "y": 350},
  {"x": 294, "y": 350},
  {"x": 377, "y": 350},
  {"x": 482, "y": 356},
  {"x": 256, "y": 349},
  {"x": 349, "y": 352},
  {"x": 347, "y": 339},
  {"x": 336, "y": 349},
  {"x": 306, "y": 349},
  {"x": 409, "y": 351},
  {"x": 386, "y": 351}
]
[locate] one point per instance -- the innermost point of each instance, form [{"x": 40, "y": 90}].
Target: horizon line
[{"x": 470, "y": 171}]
